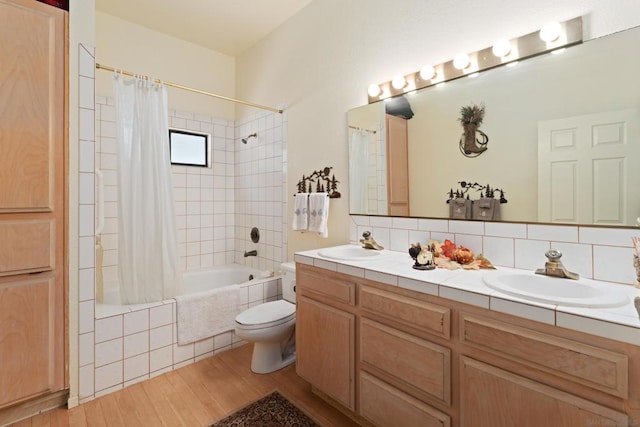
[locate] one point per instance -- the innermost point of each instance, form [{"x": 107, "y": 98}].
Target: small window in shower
[{"x": 189, "y": 148}]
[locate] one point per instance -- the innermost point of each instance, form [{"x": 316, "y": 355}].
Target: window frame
[{"x": 201, "y": 135}]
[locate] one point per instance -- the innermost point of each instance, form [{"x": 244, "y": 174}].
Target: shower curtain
[
  {"x": 149, "y": 266},
  {"x": 359, "y": 151}
]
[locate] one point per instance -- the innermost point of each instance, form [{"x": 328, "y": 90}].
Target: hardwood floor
[{"x": 195, "y": 395}]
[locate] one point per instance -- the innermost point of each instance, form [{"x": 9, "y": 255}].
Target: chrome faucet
[
  {"x": 369, "y": 243},
  {"x": 554, "y": 267},
  {"x": 251, "y": 253}
]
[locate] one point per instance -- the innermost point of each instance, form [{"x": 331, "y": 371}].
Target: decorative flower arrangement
[{"x": 452, "y": 257}]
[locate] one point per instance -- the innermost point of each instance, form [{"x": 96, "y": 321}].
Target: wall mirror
[{"x": 564, "y": 140}]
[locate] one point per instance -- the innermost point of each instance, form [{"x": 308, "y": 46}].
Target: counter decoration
[
  {"x": 452, "y": 257},
  {"x": 423, "y": 256}
]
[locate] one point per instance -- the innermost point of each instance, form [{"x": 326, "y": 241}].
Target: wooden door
[
  {"x": 325, "y": 342},
  {"x": 397, "y": 166},
  {"x": 32, "y": 198},
  {"x": 493, "y": 397},
  {"x": 588, "y": 169}
]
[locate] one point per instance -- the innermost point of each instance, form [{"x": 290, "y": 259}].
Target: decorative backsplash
[{"x": 599, "y": 253}]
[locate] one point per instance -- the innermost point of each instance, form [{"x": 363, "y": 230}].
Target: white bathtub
[{"x": 194, "y": 282}]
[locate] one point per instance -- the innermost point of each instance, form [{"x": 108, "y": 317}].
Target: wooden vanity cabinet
[
  {"x": 325, "y": 333},
  {"x": 396, "y": 357}
]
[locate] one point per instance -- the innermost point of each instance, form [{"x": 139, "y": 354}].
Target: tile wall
[
  {"x": 260, "y": 183},
  {"x": 216, "y": 208},
  {"x": 599, "y": 253}
]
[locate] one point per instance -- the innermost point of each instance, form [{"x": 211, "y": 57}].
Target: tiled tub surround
[
  {"x": 395, "y": 269},
  {"x": 142, "y": 343}
]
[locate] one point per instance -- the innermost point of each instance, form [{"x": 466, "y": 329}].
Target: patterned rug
[{"x": 273, "y": 410}]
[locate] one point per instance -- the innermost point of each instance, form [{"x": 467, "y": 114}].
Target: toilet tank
[{"x": 289, "y": 281}]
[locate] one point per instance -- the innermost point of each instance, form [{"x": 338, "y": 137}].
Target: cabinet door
[
  {"x": 397, "y": 166},
  {"x": 32, "y": 225},
  {"x": 493, "y": 397},
  {"x": 325, "y": 341}
]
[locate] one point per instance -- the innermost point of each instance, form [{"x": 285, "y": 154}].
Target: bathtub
[{"x": 194, "y": 282}]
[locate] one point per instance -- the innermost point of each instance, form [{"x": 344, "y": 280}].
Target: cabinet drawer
[
  {"x": 325, "y": 285},
  {"x": 385, "y": 405},
  {"x": 417, "y": 366},
  {"x": 411, "y": 312},
  {"x": 581, "y": 363}
]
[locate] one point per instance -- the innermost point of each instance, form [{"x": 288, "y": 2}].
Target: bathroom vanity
[{"x": 391, "y": 348}]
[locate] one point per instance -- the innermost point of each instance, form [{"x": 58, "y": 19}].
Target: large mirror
[{"x": 563, "y": 140}]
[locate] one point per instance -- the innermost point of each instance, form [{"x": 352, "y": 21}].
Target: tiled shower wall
[
  {"x": 260, "y": 182},
  {"x": 122, "y": 349}
]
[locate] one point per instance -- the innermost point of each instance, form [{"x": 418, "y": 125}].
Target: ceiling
[{"x": 226, "y": 26}]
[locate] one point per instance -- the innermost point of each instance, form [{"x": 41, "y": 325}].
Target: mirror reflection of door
[
  {"x": 397, "y": 166},
  {"x": 587, "y": 167}
]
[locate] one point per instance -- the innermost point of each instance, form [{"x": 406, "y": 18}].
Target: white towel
[
  {"x": 319, "y": 213},
  {"x": 205, "y": 314},
  {"x": 301, "y": 212}
]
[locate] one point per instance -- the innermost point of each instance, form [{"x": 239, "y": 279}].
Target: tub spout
[{"x": 251, "y": 253}]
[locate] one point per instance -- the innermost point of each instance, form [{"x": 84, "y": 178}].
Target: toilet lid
[{"x": 267, "y": 313}]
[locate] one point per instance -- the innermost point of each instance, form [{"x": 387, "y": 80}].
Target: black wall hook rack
[
  {"x": 485, "y": 191},
  {"x": 322, "y": 182}
]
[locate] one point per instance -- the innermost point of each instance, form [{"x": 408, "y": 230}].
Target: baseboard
[{"x": 35, "y": 406}]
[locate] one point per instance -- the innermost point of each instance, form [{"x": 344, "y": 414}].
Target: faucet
[
  {"x": 251, "y": 253},
  {"x": 554, "y": 267},
  {"x": 369, "y": 243}
]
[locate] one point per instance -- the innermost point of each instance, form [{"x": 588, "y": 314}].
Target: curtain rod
[
  {"x": 190, "y": 89},
  {"x": 362, "y": 129}
]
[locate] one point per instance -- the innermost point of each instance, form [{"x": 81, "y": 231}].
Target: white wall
[
  {"x": 321, "y": 61},
  {"x": 122, "y": 44}
]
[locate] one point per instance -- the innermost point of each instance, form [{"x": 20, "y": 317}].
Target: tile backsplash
[{"x": 599, "y": 253}]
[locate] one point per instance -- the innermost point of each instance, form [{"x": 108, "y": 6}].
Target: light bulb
[
  {"x": 550, "y": 31},
  {"x": 427, "y": 72},
  {"x": 374, "y": 90},
  {"x": 461, "y": 61},
  {"x": 398, "y": 82},
  {"x": 501, "y": 48}
]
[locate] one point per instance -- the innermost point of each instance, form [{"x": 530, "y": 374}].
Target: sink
[
  {"x": 349, "y": 253},
  {"x": 553, "y": 290}
]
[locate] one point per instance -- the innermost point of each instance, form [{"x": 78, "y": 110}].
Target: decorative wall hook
[
  {"x": 473, "y": 141},
  {"x": 485, "y": 191},
  {"x": 323, "y": 183}
]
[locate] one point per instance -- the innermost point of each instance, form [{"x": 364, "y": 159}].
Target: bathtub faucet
[{"x": 251, "y": 253}]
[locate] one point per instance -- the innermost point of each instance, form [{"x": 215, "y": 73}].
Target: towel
[
  {"x": 205, "y": 314},
  {"x": 301, "y": 212},
  {"x": 319, "y": 213}
]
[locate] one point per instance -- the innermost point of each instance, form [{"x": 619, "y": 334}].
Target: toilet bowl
[{"x": 271, "y": 328}]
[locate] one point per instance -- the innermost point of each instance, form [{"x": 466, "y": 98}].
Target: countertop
[{"x": 466, "y": 286}]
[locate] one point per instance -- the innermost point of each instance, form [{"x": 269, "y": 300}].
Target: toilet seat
[{"x": 266, "y": 315}]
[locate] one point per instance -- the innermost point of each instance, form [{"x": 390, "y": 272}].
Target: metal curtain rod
[
  {"x": 363, "y": 129},
  {"x": 190, "y": 89}
]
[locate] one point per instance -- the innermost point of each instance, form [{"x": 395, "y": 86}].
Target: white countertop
[{"x": 466, "y": 286}]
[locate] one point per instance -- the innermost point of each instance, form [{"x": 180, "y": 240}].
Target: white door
[{"x": 589, "y": 168}]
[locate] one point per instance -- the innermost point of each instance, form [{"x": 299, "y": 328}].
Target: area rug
[{"x": 273, "y": 410}]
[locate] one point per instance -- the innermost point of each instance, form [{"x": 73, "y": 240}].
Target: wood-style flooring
[{"x": 195, "y": 395}]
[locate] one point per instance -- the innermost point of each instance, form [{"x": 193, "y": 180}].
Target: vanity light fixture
[
  {"x": 501, "y": 48},
  {"x": 374, "y": 90},
  {"x": 399, "y": 82},
  {"x": 461, "y": 61},
  {"x": 503, "y": 52},
  {"x": 550, "y": 32},
  {"x": 428, "y": 73}
]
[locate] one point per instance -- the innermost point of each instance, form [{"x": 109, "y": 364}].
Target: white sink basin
[
  {"x": 553, "y": 290},
  {"x": 349, "y": 253}
]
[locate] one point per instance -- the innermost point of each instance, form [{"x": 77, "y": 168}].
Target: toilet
[{"x": 271, "y": 327}]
